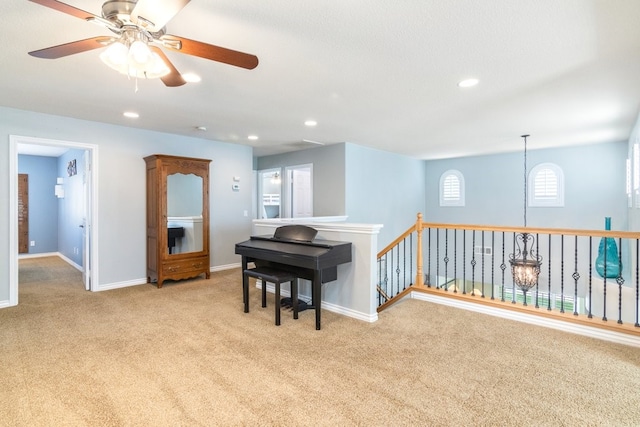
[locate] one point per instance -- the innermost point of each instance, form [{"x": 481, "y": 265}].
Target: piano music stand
[{"x": 271, "y": 275}]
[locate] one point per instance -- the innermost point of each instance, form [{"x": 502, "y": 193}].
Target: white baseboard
[
  {"x": 40, "y": 255},
  {"x": 118, "y": 285},
  {"x": 588, "y": 331},
  {"x": 325, "y": 305},
  {"x": 143, "y": 281},
  {"x": 225, "y": 267}
]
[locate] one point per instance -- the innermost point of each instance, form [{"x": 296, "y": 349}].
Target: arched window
[
  {"x": 452, "y": 188},
  {"x": 546, "y": 186}
]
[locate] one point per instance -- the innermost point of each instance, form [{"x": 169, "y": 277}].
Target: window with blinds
[
  {"x": 452, "y": 188},
  {"x": 546, "y": 185}
]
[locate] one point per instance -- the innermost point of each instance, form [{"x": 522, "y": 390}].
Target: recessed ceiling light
[
  {"x": 131, "y": 114},
  {"x": 191, "y": 77},
  {"x": 202, "y": 128},
  {"x": 468, "y": 83},
  {"x": 252, "y": 137},
  {"x": 310, "y": 123}
]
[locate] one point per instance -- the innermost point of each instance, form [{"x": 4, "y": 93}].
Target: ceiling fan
[{"x": 140, "y": 31}]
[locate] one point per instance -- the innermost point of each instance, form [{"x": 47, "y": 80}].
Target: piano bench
[{"x": 272, "y": 275}]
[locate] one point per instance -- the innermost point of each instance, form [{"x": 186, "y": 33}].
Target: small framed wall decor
[{"x": 71, "y": 168}]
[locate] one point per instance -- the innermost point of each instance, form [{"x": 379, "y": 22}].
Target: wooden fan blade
[
  {"x": 65, "y": 8},
  {"x": 174, "y": 78},
  {"x": 71, "y": 48},
  {"x": 209, "y": 51},
  {"x": 154, "y": 14}
]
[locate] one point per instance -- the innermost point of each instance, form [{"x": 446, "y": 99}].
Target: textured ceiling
[{"x": 381, "y": 74}]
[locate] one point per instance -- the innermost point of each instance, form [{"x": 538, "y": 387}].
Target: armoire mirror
[
  {"x": 177, "y": 218},
  {"x": 184, "y": 213}
]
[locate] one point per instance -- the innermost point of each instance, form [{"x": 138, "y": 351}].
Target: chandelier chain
[{"x": 525, "y": 179}]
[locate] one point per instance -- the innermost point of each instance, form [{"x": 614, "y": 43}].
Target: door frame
[{"x": 91, "y": 207}]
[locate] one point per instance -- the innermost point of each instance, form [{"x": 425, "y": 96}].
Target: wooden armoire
[{"x": 177, "y": 218}]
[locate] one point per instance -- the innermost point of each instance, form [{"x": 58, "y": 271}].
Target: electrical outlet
[
  {"x": 32, "y": 243},
  {"x": 479, "y": 250}
]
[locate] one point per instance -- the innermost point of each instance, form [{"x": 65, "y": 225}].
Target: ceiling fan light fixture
[
  {"x": 115, "y": 56},
  {"x": 137, "y": 60},
  {"x": 139, "y": 54}
]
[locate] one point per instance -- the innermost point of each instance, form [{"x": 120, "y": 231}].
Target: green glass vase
[{"x": 608, "y": 250}]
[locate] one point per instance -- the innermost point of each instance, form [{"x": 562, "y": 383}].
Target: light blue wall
[
  {"x": 43, "y": 204},
  {"x": 595, "y": 178},
  {"x": 121, "y": 189},
  {"x": 328, "y": 175},
  {"x": 384, "y": 188}
]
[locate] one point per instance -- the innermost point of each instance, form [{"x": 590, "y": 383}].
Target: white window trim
[
  {"x": 461, "y": 200},
  {"x": 558, "y": 201}
]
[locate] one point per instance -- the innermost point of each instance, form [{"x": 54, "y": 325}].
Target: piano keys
[{"x": 293, "y": 248}]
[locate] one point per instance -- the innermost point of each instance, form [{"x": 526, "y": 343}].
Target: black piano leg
[
  {"x": 294, "y": 297},
  {"x": 264, "y": 284},
  {"x": 316, "y": 291},
  {"x": 245, "y": 286}
]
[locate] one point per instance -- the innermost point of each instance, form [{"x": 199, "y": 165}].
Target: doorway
[
  {"x": 298, "y": 194},
  {"x": 23, "y": 144},
  {"x": 269, "y": 193},
  {"x": 285, "y": 195}
]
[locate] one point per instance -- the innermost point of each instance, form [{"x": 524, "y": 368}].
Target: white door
[
  {"x": 86, "y": 221},
  {"x": 300, "y": 194}
]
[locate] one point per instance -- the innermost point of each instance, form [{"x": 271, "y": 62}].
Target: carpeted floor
[{"x": 187, "y": 355}]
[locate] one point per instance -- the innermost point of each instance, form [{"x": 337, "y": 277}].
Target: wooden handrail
[
  {"x": 398, "y": 240},
  {"x": 536, "y": 230}
]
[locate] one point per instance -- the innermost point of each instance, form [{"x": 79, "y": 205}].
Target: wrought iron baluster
[
  {"x": 473, "y": 263},
  {"x": 549, "y": 278},
  {"x": 398, "y": 267},
  {"x": 538, "y": 276},
  {"x": 620, "y": 280},
  {"x": 493, "y": 263},
  {"x": 437, "y": 258},
  {"x": 637, "y": 282},
  {"x": 411, "y": 276},
  {"x": 503, "y": 267},
  {"x": 482, "y": 265},
  {"x": 464, "y": 262},
  {"x": 604, "y": 294},
  {"x": 562, "y": 273},
  {"x": 446, "y": 258},
  {"x": 429, "y": 256},
  {"x": 590, "y": 315},
  {"x": 575, "y": 276},
  {"x": 455, "y": 260},
  {"x": 513, "y": 281}
]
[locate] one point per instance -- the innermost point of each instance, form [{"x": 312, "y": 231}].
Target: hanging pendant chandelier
[{"x": 525, "y": 261}]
